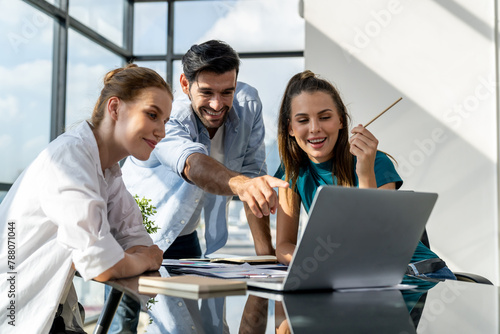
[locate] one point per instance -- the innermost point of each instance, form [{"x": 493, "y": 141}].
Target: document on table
[
  {"x": 231, "y": 271},
  {"x": 192, "y": 264},
  {"x": 257, "y": 259}
]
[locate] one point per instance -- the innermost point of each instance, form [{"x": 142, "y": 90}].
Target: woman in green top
[{"x": 315, "y": 149}]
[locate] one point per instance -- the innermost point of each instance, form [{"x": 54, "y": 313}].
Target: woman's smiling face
[
  {"x": 315, "y": 124},
  {"x": 142, "y": 122}
]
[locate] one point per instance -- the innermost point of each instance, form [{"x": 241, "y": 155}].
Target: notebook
[
  {"x": 191, "y": 287},
  {"x": 355, "y": 238},
  {"x": 192, "y": 283}
]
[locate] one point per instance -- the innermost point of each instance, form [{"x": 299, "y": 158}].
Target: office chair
[{"x": 461, "y": 276}]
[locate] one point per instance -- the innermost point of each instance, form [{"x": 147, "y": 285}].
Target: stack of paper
[
  {"x": 238, "y": 259},
  {"x": 233, "y": 271}
]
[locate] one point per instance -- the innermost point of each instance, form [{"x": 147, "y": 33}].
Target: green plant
[
  {"x": 150, "y": 303},
  {"x": 147, "y": 211}
]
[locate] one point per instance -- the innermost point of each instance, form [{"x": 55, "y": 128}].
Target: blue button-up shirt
[{"x": 176, "y": 199}]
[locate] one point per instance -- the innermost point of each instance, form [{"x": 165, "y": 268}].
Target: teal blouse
[{"x": 315, "y": 175}]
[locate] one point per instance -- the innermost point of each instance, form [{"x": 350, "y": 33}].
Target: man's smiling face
[{"x": 211, "y": 97}]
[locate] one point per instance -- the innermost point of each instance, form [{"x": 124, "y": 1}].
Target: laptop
[{"x": 355, "y": 238}]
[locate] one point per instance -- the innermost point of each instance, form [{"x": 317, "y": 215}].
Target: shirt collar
[{"x": 85, "y": 132}]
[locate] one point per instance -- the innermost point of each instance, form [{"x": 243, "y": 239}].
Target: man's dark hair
[{"x": 212, "y": 56}]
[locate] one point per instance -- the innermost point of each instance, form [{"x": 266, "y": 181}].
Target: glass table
[{"x": 428, "y": 307}]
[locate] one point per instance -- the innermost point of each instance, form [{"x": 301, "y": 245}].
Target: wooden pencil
[{"x": 389, "y": 107}]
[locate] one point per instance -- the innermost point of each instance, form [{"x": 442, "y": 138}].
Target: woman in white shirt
[{"x": 69, "y": 210}]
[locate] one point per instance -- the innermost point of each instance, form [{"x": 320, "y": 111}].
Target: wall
[{"x": 441, "y": 58}]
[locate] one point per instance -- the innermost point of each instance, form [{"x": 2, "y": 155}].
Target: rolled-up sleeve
[
  {"x": 175, "y": 148},
  {"x": 92, "y": 261}
]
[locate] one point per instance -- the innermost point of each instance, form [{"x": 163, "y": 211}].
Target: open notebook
[{"x": 355, "y": 238}]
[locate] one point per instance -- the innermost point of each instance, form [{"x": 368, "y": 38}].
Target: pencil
[{"x": 389, "y": 107}]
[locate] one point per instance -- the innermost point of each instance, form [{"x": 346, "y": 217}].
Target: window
[
  {"x": 150, "y": 28},
  {"x": 87, "y": 64},
  {"x": 25, "y": 88},
  {"x": 105, "y": 17},
  {"x": 245, "y": 25},
  {"x": 159, "y": 66},
  {"x": 270, "y": 76}
]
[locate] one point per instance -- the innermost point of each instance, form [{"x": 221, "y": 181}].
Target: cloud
[
  {"x": 256, "y": 26},
  {"x": 21, "y": 98},
  {"x": 31, "y": 77},
  {"x": 5, "y": 141},
  {"x": 106, "y": 17},
  {"x": 17, "y": 10},
  {"x": 9, "y": 107},
  {"x": 24, "y": 29},
  {"x": 25, "y": 94}
]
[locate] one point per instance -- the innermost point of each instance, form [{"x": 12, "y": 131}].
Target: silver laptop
[{"x": 355, "y": 238}]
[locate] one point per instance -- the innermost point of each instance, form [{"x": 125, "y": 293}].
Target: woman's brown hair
[{"x": 126, "y": 83}]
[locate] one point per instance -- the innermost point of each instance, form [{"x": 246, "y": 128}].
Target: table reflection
[
  {"x": 421, "y": 309},
  {"x": 348, "y": 312}
]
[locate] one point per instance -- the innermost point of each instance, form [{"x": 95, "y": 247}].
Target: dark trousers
[{"x": 186, "y": 246}]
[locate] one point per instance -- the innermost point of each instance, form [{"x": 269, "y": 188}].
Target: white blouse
[{"x": 61, "y": 210}]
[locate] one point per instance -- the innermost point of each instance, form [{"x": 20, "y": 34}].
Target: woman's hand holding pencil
[{"x": 363, "y": 145}]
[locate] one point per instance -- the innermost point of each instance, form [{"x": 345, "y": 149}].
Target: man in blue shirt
[{"x": 213, "y": 149}]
